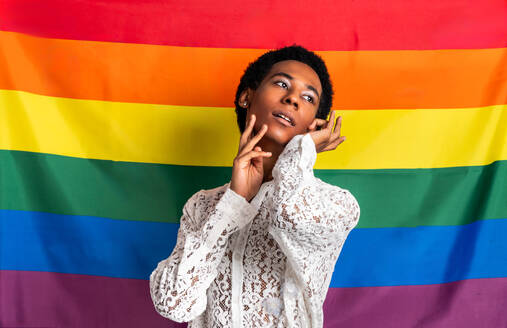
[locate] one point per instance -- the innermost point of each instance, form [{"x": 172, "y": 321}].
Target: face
[{"x": 286, "y": 100}]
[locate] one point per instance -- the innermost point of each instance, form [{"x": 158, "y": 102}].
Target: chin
[{"x": 281, "y": 135}]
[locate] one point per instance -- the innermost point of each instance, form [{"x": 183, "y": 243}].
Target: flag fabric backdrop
[{"x": 113, "y": 113}]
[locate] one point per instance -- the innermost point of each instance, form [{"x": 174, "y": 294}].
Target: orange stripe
[{"x": 209, "y": 76}]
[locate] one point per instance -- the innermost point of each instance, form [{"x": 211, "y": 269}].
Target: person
[{"x": 260, "y": 250}]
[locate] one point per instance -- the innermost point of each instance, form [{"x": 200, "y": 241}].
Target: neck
[{"x": 269, "y": 162}]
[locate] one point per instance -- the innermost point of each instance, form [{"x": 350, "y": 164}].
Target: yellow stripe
[{"x": 207, "y": 136}]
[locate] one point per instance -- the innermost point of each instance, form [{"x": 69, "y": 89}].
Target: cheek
[
  {"x": 302, "y": 128},
  {"x": 310, "y": 120},
  {"x": 306, "y": 122}
]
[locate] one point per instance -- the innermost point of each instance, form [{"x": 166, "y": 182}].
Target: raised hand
[
  {"x": 247, "y": 170},
  {"x": 326, "y": 138}
]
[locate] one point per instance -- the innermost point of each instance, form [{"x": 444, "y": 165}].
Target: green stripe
[{"x": 157, "y": 192}]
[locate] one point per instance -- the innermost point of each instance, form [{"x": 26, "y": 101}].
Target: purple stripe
[
  {"x": 466, "y": 303},
  {"x": 31, "y": 298},
  {"x": 47, "y": 299}
]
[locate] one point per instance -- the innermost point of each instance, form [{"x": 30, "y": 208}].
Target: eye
[
  {"x": 281, "y": 83},
  {"x": 310, "y": 98}
]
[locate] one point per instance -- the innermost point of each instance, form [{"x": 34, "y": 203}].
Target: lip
[
  {"x": 282, "y": 121},
  {"x": 287, "y": 114}
]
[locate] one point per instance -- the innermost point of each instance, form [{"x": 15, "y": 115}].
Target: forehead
[{"x": 298, "y": 70}]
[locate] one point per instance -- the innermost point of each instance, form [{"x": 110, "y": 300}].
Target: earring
[{"x": 244, "y": 104}]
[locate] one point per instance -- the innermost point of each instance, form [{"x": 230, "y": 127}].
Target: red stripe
[
  {"x": 65, "y": 300},
  {"x": 321, "y": 25}
]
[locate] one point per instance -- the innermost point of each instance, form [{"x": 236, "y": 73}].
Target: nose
[{"x": 291, "y": 99}]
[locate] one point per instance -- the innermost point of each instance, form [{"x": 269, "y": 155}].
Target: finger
[
  {"x": 334, "y": 144},
  {"x": 338, "y": 126},
  {"x": 258, "y": 161},
  {"x": 253, "y": 153},
  {"x": 245, "y": 136},
  {"x": 327, "y": 129},
  {"x": 330, "y": 123},
  {"x": 250, "y": 144},
  {"x": 319, "y": 122},
  {"x": 313, "y": 126},
  {"x": 321, "y": 133}
]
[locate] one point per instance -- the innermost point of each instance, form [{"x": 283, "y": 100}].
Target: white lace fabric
[{"x": 264, "y": 263}]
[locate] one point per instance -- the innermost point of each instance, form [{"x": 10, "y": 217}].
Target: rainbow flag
[{"x": 113, "y": 113}]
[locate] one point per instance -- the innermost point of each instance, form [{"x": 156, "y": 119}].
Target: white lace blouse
[{"x": 264, "y": 263}]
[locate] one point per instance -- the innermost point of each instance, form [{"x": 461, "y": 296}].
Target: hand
[
  {"x": 247, "y": 170},
  {"x": 326, "y": 138}
]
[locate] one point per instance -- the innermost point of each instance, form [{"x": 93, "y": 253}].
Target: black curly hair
[{"x": 257, "y": 70}]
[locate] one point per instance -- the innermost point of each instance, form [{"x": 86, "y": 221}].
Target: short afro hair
[{"x": 257, "y": 71}]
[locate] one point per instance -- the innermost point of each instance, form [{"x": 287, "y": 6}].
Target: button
[
  {"x": 291, "y": 289},
  {"x": 273, "y": 306}
]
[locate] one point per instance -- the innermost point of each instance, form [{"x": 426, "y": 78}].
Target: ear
[{"x": 245, "y": 98}]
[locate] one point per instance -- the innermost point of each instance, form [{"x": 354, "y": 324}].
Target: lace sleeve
[
  {"x": 310, "y": 222},
  {"x": 178, "y": 284}
]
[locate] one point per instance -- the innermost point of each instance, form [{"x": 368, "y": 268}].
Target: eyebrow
[{"x": 291, "y": 78}]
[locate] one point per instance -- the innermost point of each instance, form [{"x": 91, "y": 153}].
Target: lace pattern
[{"x": 258, "y": 263}]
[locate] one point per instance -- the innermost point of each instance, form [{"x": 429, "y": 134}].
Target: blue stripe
[{"x": 38, "y": 241}]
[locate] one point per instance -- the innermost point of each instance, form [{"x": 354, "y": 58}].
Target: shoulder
[
  {"x": 333, "y": 192},
  {"x": 206, "y": 197},
  {"x": 202, "y": 202},
  {"x": 210, "y": 195},
  {"x": 340, "y": 201}
]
